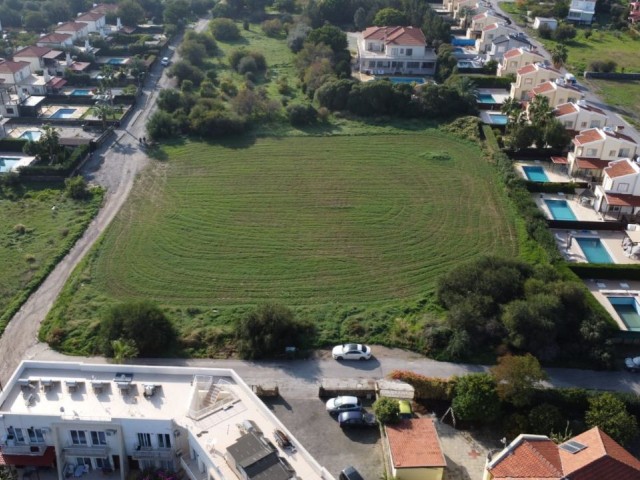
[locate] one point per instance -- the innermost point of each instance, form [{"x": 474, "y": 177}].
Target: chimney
[
  {"x": 45, "y": 74},
  {"x": 87, "y": 45},
  {"x": 68, "y": 60},
  {"x": 118, "y": 24},
  {"x": 619, "y": 128}
]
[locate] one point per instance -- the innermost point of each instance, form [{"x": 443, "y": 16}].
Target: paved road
[{"x": 114, "y": 166}]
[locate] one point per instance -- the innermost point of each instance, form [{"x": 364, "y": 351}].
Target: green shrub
[
  {"x": 224, "y": 29},
  {"x": 301, "y": 115},
  {"x": 76, "y": 188},
  {"x": 546, "y": 418},
  {"x": 610, "y": 414},
  {"x": 426, "y": 388},
  {"x": 387, "y": 410},
  {"x": 476, "y": 398}
]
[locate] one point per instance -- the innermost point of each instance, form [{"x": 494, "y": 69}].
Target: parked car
[
  {"x": 632, "y": 364},
  {"x": 343, "y": 404},
  {"x": 356, "y": 419},
  {"x": 351, "y": 351},
  {"x": 405, "y": 409},
  {"x": 165, "y": 61},
  {"x": 350, "y": 473}
]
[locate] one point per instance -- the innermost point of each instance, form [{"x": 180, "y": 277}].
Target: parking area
[{"x": 320, "y": 434}]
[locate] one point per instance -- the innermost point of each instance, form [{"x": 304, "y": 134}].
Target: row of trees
[{"x": 507, "y": 304}]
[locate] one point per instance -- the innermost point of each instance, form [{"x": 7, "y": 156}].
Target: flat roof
[{"x": 175, "y": 398}]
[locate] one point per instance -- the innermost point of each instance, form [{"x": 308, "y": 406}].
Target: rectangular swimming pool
[
  {"x": 7, "y": 163},
  {"x": 485, "y": 98},
  {"x": 117, "y": 61},
  {"x": 81, "y": 92},
  {"x": 535, "y": 174},
  {"x": 31, "y": 135},
  {"x": 63, "y": 113},
  {"x": 498, "y": 119},
  {"x": 560, "y": 210},
  {"x": 594, "y": 250},
  {"x": 627, "y": 309}
]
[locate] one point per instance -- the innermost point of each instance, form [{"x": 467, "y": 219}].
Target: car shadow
[
  {"x": 366, "y": 435},
  {"x": 363, "y": 365}
]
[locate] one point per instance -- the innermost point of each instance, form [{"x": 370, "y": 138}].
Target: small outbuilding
[
  {"x": 552, "y": 23},
  {"x": 414, "y": 450}
]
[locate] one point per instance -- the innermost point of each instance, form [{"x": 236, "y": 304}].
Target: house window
[
  {"x": 16, "y": 433},
  {"x": 595, "y": 124},
  {"x": 400, "y": 65},
  {"x": 592, "y": 152},
  {"x": 10, "y": 111},
  {"x": 84, "y": 461},
  {"x": 568, "y": 124},
  {"x": 144, "y": 439},
  {"x": 528, "y": 81},
  {"x": 615, "y": 208},
  {"x": 623, "y": 187},
  {"x": 78, "y": 437},
  {"x": 409, "y": 52},
  {"x": 402, "y": 51},
  {"x": 372, "y": 64},
  {"x": 583, "y": 124},
  {"x": 514, "y": 64},
  {"x": 103, "y": 463},
  {"x": 428, "y": 65},
  {"x": 623, "y": 152},
  {"x": 164, "y": 440},
  {"x": 413, "y": 64},
  {"x": 571, "y": 99},
  {"x": 35, "y": 435},
  {"x": 394, "y": 51},
  {"x": 167, "y": 465},
  {"x": 98, "y": 438},
  {"x": 394, "y": 64}
]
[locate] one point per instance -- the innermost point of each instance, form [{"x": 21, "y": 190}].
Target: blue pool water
[
  {"x": 116, "y": 61},
  {"x": 535, "y": 174},
  {"x": 498, "y": 119},
  {"x": 63, "y": 113},
  {"x": 32, "y": 135},
  {"x": 405, "y": 79},
  {"x": 485, "y": 98},
  {"x": 560, "y": 210},
  {"x": 627, "y": 310},
  {"x": 7, "y": 163},
  {"x": 594, "y": 250},
  {"x": 81, "y": 92}
]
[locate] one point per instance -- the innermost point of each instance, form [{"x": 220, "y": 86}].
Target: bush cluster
[
  {"x": 426, "y": 388},
  {"x": 603, "y": 66}
]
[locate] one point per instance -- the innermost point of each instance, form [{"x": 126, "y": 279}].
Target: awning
[
  {"x": 559, "y": 160},
  {"x": 619, "y": 200},
  {"x": 591, "y": 163},
  {"x": 57, "y": 82},
  {"x": 52, "y": 55},
  {"x": 44, "y": 460}
]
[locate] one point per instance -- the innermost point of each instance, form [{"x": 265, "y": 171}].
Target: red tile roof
[
  {"x": 619, "y": 200},
  {"x": 415, "y": 443},
  {"x": 532, "y": 457},
  {"x": 89, "y": 16},
  {"x": 493, "y": 26},
  {"x": 620, "y": 168},
  {"x": 527, "y": 69},
  {"x": 12, "y": 67},
  {"x": 70, "y": 27},
  {"x": 514, "y": 52},
  {"x": 396, "y": 35},
  {"x": 544, "y": 87},
  {"x": 565, "y": 109},
  {"x": 588, "y": 163},
  {"x": 54, "y": 38},
  {"x": 104, "y": 8},
  {"x": 588, "y": 136},
  {"x": 32, "y": 51},
  {"x": 559, "y": 160}
]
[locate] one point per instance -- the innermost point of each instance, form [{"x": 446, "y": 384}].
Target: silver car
[{"x": 351, "y": 351}]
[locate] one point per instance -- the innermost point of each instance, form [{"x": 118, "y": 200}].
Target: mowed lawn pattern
[{"x": 304, "y": 221}]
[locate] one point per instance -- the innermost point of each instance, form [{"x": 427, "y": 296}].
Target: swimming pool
[
  {"x": 7, "y": 163},
  {"x": 403, "y": 79},
  {"x": 485, "y": 98},
  {"x": 627, "y": 310},
  {"x": 560, "y": 210},
  {"x": 31, "y": 135},
  {"x": 535, "y": 174},
  {"x": 63, "y": 113},
  {"x": 498, "y": 119},
  {"x": 81, "y": 92},
  {"x": 117, "y": 61},
  {"x": 594, "y": 250}
]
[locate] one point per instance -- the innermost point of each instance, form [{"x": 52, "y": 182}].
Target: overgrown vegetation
[{"x": 387, "y": 410}]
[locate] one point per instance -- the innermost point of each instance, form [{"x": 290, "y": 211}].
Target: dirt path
[{"x": 114, "y": 166}]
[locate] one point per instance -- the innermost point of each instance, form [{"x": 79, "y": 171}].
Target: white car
[
  {"x": 343, "y": 404},
  {"x": 351, "y": 351},
  {"x": 165, "y": 61}
]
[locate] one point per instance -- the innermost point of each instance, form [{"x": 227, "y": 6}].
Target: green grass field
[
  {"x": 33, "y": 236},
  {"x": 330, "y": 226}
]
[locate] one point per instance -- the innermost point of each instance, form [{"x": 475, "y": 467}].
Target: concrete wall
[{"x": 418, "y": 473}]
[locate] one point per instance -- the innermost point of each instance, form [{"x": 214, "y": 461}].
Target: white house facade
[
  {"x": 73, "y": 419},
  {"x": 514, "y": 59},
  {"x": 595, "y": 148},
  {"x": 619, "y": 192},
  {"x": 582, "y": 11},
  {"x": 580, "y": 116},
  {"x": 395, "y": 50}
]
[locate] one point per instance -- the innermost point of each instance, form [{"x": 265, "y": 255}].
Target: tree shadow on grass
[{"x": 234, "y": 142}]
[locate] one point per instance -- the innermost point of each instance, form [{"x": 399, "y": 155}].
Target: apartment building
[{"x": 65, "y": 420}]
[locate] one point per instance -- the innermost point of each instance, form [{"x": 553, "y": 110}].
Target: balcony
[
  {"x": 190, "y": 467},
  {"x": 150, "y": 453},
  {"x": 86, "y": 450},
  {"x": 32, "y": 450}
]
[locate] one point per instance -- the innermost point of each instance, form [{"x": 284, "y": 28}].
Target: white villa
[
  {"x": 515, "y": 59},
  {"x": 558, "y": 92},
  {"x": 481, "y": 20},
  {"x": 580, "y": 115},
  {"x": 77, "y": 30},
  {"x": 529, "y": 77},
  {"x": 595, "y": 148},
  {"x": 395, "y": 50},
  {"x": 60, "y": 420},
  {"x": 95, "y": 21},
  {"x": 582, "y": 11},
  {"x": 619, "y": 193},
  {"x": 491, "y": 32}
]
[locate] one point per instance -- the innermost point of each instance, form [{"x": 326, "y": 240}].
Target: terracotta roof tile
[
  {"x": 514, "y": 52},
  {"x": 70, "y": 27},
  {"x": 415, "y": 443},
  {"x": 493, "y": 26},
  {"x": 532, "y": 458},
  {"x": 104, "y": 8},
  {"x": 396, "y": 35},
  {"x": 565, "y": 109},
  {"x": 588, "y": 163},
  {"x": 527, "y": 69},
  {"x": 12, "y": 67},
  {"x": 89, "y": 16},
  {"x": 544, "y": 87},
  {"x": 54, "y": 38},
  {"x": 32, "y": 51},
  {"x": 620, "y": 168},
  {"x": 588, "y": 136}
]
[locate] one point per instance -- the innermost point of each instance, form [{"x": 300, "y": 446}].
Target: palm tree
[
  {"x": 50, "y": 142},
  {"x": 107, "y": 81},
  {"x": 512, "y": 108},
  {"x": 539, "y": 111},
  {"x": 103, "y": 111},
  {"x": 465, "y": 14},
  {"x": 559, "y": 55}
]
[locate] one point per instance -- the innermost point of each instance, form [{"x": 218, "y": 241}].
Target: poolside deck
[
  {"x": 556, "y": 174},
  {"x": 612, "y": 241},
  {"x": 584, "y": 213},
  {"x": 601, "y": 289}
]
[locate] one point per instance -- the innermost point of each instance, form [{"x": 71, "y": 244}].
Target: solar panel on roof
[{"x": 572, "y": 446}]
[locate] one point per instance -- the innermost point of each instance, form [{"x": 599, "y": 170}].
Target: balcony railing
[
  {"x": 33, "y": 450},
  {"x": 143, "y": 453},
  {"x": 86, "y": 450}
]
